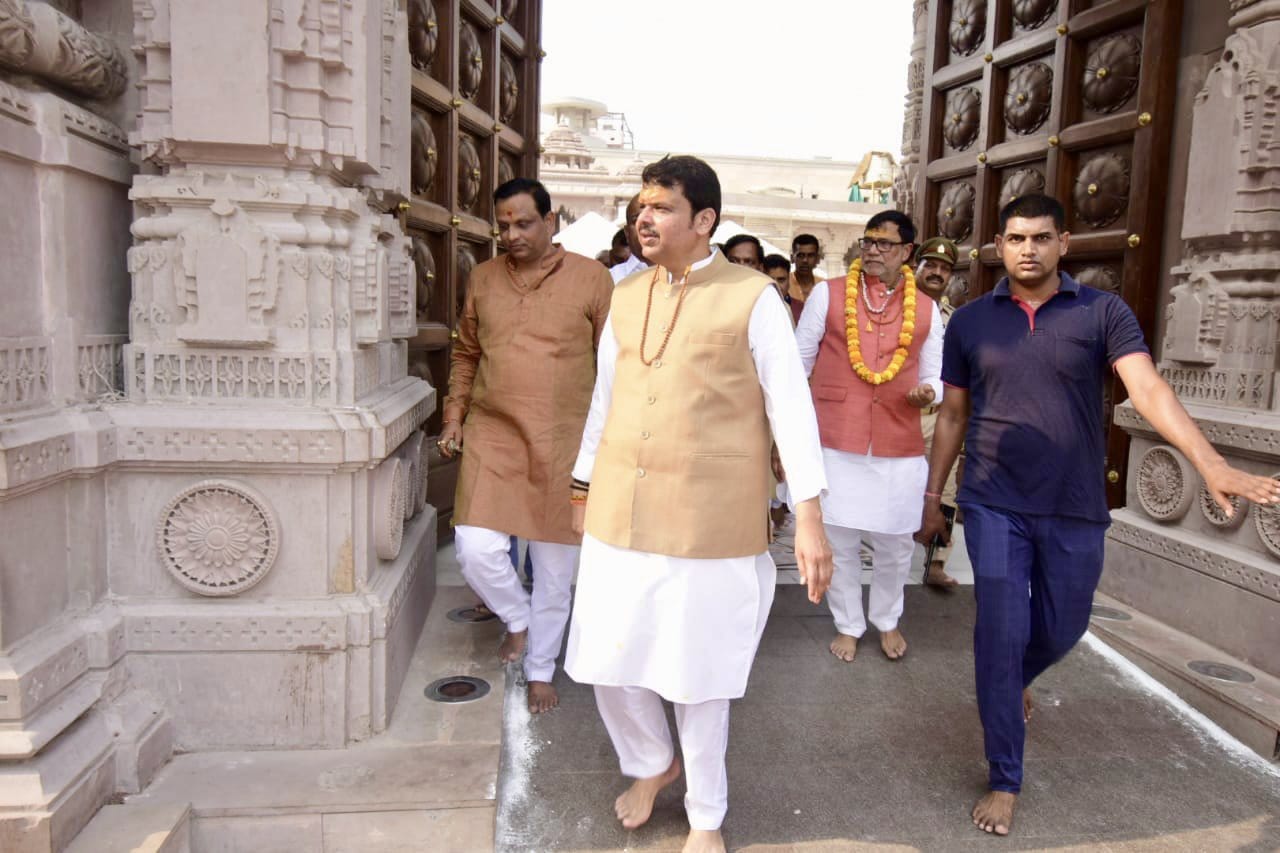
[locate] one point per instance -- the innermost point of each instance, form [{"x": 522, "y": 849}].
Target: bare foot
[
  {"x": 513, "y": 646},
  {"x": 994, "y": 812},
  {"x": 1027, "y": 705},
  {"x": 845, "y": 647},
  {"x": 542, "y": 697},
  {"x": 937, "y": 577},
  {"x": 893, "y": 644},
  {"x": 704, "y": 841},
  {"x": 636, "y": 803}
]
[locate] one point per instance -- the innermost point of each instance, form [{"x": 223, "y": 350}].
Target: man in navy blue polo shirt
[{"x": 1024, "y": 368}]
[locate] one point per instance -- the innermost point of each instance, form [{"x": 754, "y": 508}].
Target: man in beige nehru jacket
[{"x": 697, "y": 367}]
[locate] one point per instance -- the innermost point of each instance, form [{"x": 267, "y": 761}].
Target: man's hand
[
  {"x": 579, "y": 518},
  {"x": 1223, "y": 482},
  {"x": 813, "y": 552},
  {"x": 450, "y": 441},
  {"x": 920, "y": 396},
  {"x": 932, "y": 523},
  {"x": 775, "y": 462}
]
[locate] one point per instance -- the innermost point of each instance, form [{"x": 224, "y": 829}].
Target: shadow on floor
[{"x": 875, "y": 755}]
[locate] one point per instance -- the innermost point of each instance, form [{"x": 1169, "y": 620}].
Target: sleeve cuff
[{"x": 1134, "y": 354}]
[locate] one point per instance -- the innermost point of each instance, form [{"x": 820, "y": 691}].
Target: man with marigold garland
[{"x": 873, "y": 348}]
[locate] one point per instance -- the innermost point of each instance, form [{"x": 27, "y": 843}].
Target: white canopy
[{"x": 590, "y": 235}]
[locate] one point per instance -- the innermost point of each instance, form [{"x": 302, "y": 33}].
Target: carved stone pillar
[
  {"x": 270, "y": 486},
  {"x": 37, "y": 39},
  {"x": 1172, "y": 545},
  {"x": 904, "y": 185}
]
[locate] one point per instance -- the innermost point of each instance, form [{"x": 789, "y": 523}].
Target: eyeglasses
[{"x": 881, "y": 246}]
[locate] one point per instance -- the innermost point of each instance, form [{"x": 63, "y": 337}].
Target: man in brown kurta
[{"x": 520, "y": 385}]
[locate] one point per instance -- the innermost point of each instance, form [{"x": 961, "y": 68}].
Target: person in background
[
  {"x": 806, "y": 252},
  {"x": 778, "y": 268},
  {"x": 619, "y": 250},
  {"x": 636, "y": 260},
  {"x": 745, "y": 250}
]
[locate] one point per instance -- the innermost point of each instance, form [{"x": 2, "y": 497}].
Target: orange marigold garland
[{"x": 852, "y": 281}]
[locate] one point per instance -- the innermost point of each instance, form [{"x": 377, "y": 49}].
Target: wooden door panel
[
  {"x": 475, "y": 81},
  {"x": 1069, "y": 97}
]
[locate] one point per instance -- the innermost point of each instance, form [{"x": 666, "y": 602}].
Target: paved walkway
[{"x": 875, "y": 755}]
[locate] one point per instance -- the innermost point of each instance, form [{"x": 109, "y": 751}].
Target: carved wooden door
[
  {"x": 1068, "y": 97},
  {"x": 474, "y": 125}
]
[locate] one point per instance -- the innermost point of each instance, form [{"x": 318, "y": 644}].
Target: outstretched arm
[{"x": 1155, "y": 401}]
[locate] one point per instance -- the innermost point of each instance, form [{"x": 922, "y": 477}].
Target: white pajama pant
[
  {"x": 637, "y": 725},
  {"x": 891, "y": 563},
  {"x": 486, "y": 565}
]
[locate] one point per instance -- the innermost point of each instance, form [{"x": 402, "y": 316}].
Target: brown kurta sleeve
[
  {"x": 601, "y": 298},
  {"x": 464, "y": 359}
]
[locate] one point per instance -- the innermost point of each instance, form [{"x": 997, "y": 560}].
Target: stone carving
[
  {"x": 37, "y": 39},
  {"x": 1166, "y": 484},
  {"x": 425, "y": 267},
  {"x": 24, "y": 373},
  {"x": 469, "y": 174},
  {"x": 470, "y": 60},
  {"x": 424, "y": 156},
  {"x": 506, "y": 169},
  {"x": 1266, "y": 520},
  {"x": 1030, "y": 14},
  {"x": 904, "y": 185},
  {"x": 1101, "y": 191},
  {"x": 424, "y": 472},
  {"x": 964, "y": 113},
  {"x": 424, "y": 33},
  {"x": 389, "y": 484},
  {"x": 1212, "y": 563},
  {"x": 1028, "y": 98},
  {"x": 1111, "y": 72},
  {"x": 184, "y": 373},
  {"x": 230, "y": 277},
  {"x": 955, "y": 211},
  {"x": 411, "y": 453},
  {"x": 509, "y": 91},
  {"x": 1020, "y": 182},
  {"x": 1214, "y": 514},
  {"x": 1099, "y": 277},
  {"x": 100, "y": 365},
  {"x": 968, "y": 25},
  {"x": 218, "y": 538}
]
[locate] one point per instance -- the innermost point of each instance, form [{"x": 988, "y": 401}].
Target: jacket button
[
  {"x": 640, "y": 472},
  {"x": 652, "y": 400},
  {"x": 657, "y": 362},
  {"x": 645, "y": 435}
]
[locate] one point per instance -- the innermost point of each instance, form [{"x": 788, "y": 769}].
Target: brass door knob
[
  {"x": 453, "y": 334},
  {"x": 1113, "y": 476}
]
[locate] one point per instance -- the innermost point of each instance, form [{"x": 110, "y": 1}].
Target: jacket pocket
[{"x": 830, "y": 392}]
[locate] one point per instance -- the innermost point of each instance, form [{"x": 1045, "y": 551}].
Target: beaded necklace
[{"x": 671, "y": 327}]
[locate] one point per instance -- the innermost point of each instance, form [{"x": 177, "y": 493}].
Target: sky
[{"x": 786, "y": 78}]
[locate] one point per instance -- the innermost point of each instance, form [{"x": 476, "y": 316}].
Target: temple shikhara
[{"x": 235, "y": 238}]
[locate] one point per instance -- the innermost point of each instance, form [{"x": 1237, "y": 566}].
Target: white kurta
[
  {"x": 687, "y": 629},
  {"x": 876, "y": 494}
]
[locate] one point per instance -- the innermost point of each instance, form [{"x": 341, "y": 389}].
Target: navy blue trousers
[{"x": 1033, "y": 577}]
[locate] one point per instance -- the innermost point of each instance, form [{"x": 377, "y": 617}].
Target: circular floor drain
[
  {"x": 1109, "y": 613},
  {"x": 470, "y": 614},
  {"x": 457, "y": 688},
  {"x": 1220, "y": 671}
]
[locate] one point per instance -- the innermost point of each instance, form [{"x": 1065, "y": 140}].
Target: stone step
[
  {"x": 1247, "y": 710},
  {"x": 137, "y": 828}
]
